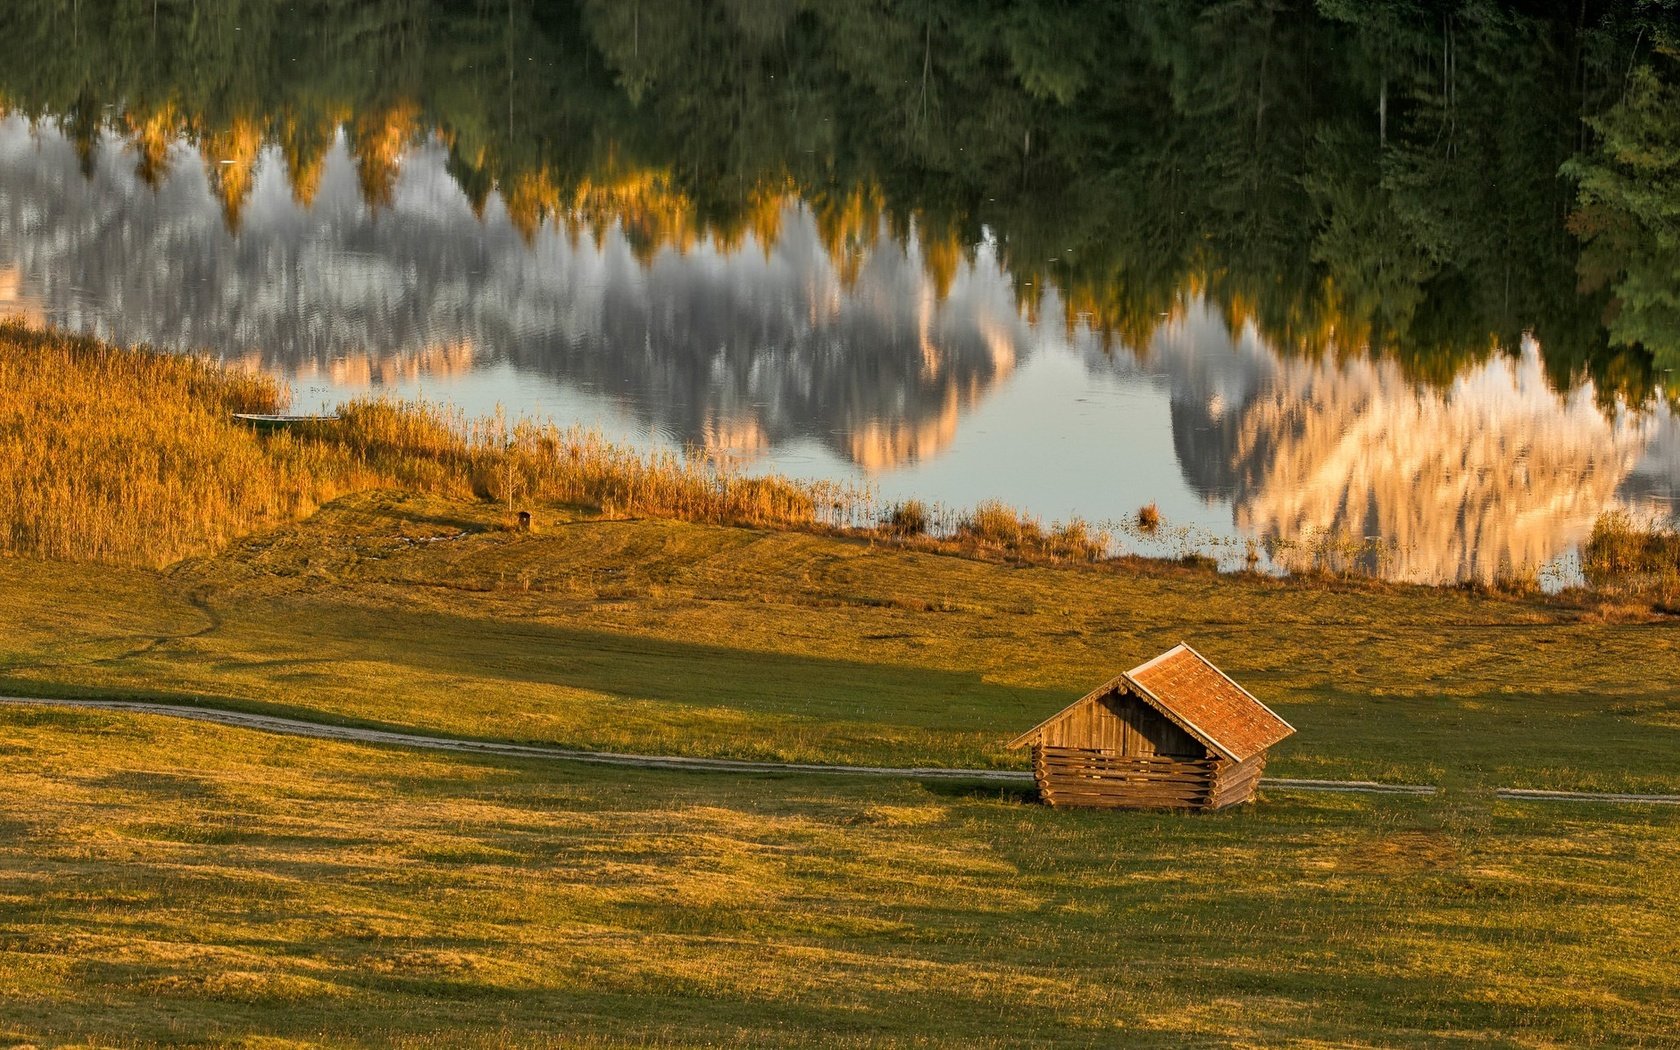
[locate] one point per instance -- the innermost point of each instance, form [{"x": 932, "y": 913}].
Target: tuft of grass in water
[
  {"x": 994, "y": 526},
  {"x": 1076, "y": 540},
  {"x": 910, "y": 518},
  {"x": 1333, "y": 554},
  {"x": 1623, "y": 556},
  {"x": 1149, "y": 518}
]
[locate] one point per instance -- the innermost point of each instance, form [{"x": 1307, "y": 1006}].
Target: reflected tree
[
  {"x": 1374, "y": 177},
  {"x": 1629, "y": 214}
]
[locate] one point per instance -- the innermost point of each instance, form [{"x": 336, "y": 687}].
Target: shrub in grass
[
  {"x": 768, "y": 501},
  {"x": 996, "y": 526},
  {"x": 1077, "y": 541}
]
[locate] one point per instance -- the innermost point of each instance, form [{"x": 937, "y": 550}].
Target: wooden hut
[{"x": 1173, "y": 733}]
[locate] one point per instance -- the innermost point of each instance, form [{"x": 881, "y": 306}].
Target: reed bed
[
  {"x": 128, "y": 457},
  {"x": 135, "y": 457},
  {"x": 132, "y": 457},
  {"x": 420, "y": 446}
]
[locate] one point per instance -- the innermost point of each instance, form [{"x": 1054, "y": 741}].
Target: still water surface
[{"x": 1254, "y": 388}]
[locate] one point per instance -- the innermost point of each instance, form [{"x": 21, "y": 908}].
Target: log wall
[
  {"x": 1235, "y": 782},
  {"x": 1070, "y": 776}
]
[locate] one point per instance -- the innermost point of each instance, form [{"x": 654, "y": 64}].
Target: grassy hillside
[{"x": 650, "y": 635}]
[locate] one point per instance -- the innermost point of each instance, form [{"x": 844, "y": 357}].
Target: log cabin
[{"x": 1172, "y": 733}]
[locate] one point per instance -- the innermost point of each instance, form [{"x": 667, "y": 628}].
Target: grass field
[
  {"x": 182, "y": 883},
  {"x": 164, "y": 883}
]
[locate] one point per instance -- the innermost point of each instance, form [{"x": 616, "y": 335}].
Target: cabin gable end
[{"x": 1115, "y": 718}]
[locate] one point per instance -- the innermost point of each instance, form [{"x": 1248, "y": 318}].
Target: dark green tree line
[{"x": 1427, "y": 179}]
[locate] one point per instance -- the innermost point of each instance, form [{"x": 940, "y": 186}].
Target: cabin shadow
[
  {"x": 981, "y": 791},
  {"x": 664, "y": 670}
]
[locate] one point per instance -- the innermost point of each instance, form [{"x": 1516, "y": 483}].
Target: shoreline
[{"x": 212, "y": 480}]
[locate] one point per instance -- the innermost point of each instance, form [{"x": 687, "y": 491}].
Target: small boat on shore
[{"x": 264, "y": 421}]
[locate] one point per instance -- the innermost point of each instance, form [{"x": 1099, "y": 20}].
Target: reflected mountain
[
  {"x": 741, "y": 348},
  {"x": 1495, "y": 475}
]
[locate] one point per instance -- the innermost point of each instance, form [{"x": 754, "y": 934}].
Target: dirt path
[{"x": 299, "y": 727}]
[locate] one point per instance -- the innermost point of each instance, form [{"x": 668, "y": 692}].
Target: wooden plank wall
[{"x": 1121, "y": 724}]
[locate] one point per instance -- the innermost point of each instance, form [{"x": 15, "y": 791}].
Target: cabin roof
[{"x": 1199, "y": 697}]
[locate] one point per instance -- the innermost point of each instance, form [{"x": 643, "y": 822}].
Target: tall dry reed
[
  {"x": 996, "y": 526},
  {"x": 134, "y": 457},
  {"x": 128, "y": 456},
  {"x": 1629, "y": 557}
]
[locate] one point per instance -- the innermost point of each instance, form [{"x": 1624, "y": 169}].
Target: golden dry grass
[
  {"x": 132, "y": 458},
  {"x": 994, "y": 526},
  {"x": 129, "y": 457},
  {"x": 1630, "y": 557}
]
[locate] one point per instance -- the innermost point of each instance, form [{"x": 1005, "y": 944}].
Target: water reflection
[
  {"x": 1496, "y": 474},
  {"x": 741, "y": 347},
  {"x": 1290, "y": 270},
  {"x": 760, "y": 346}
]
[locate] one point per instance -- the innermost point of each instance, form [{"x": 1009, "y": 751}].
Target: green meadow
[
  {"x": 175, "y": 883},
  {"x": 664, "y": 636}
]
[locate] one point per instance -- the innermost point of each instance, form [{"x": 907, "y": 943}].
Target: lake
[{"x": 1385, "y": 286}]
